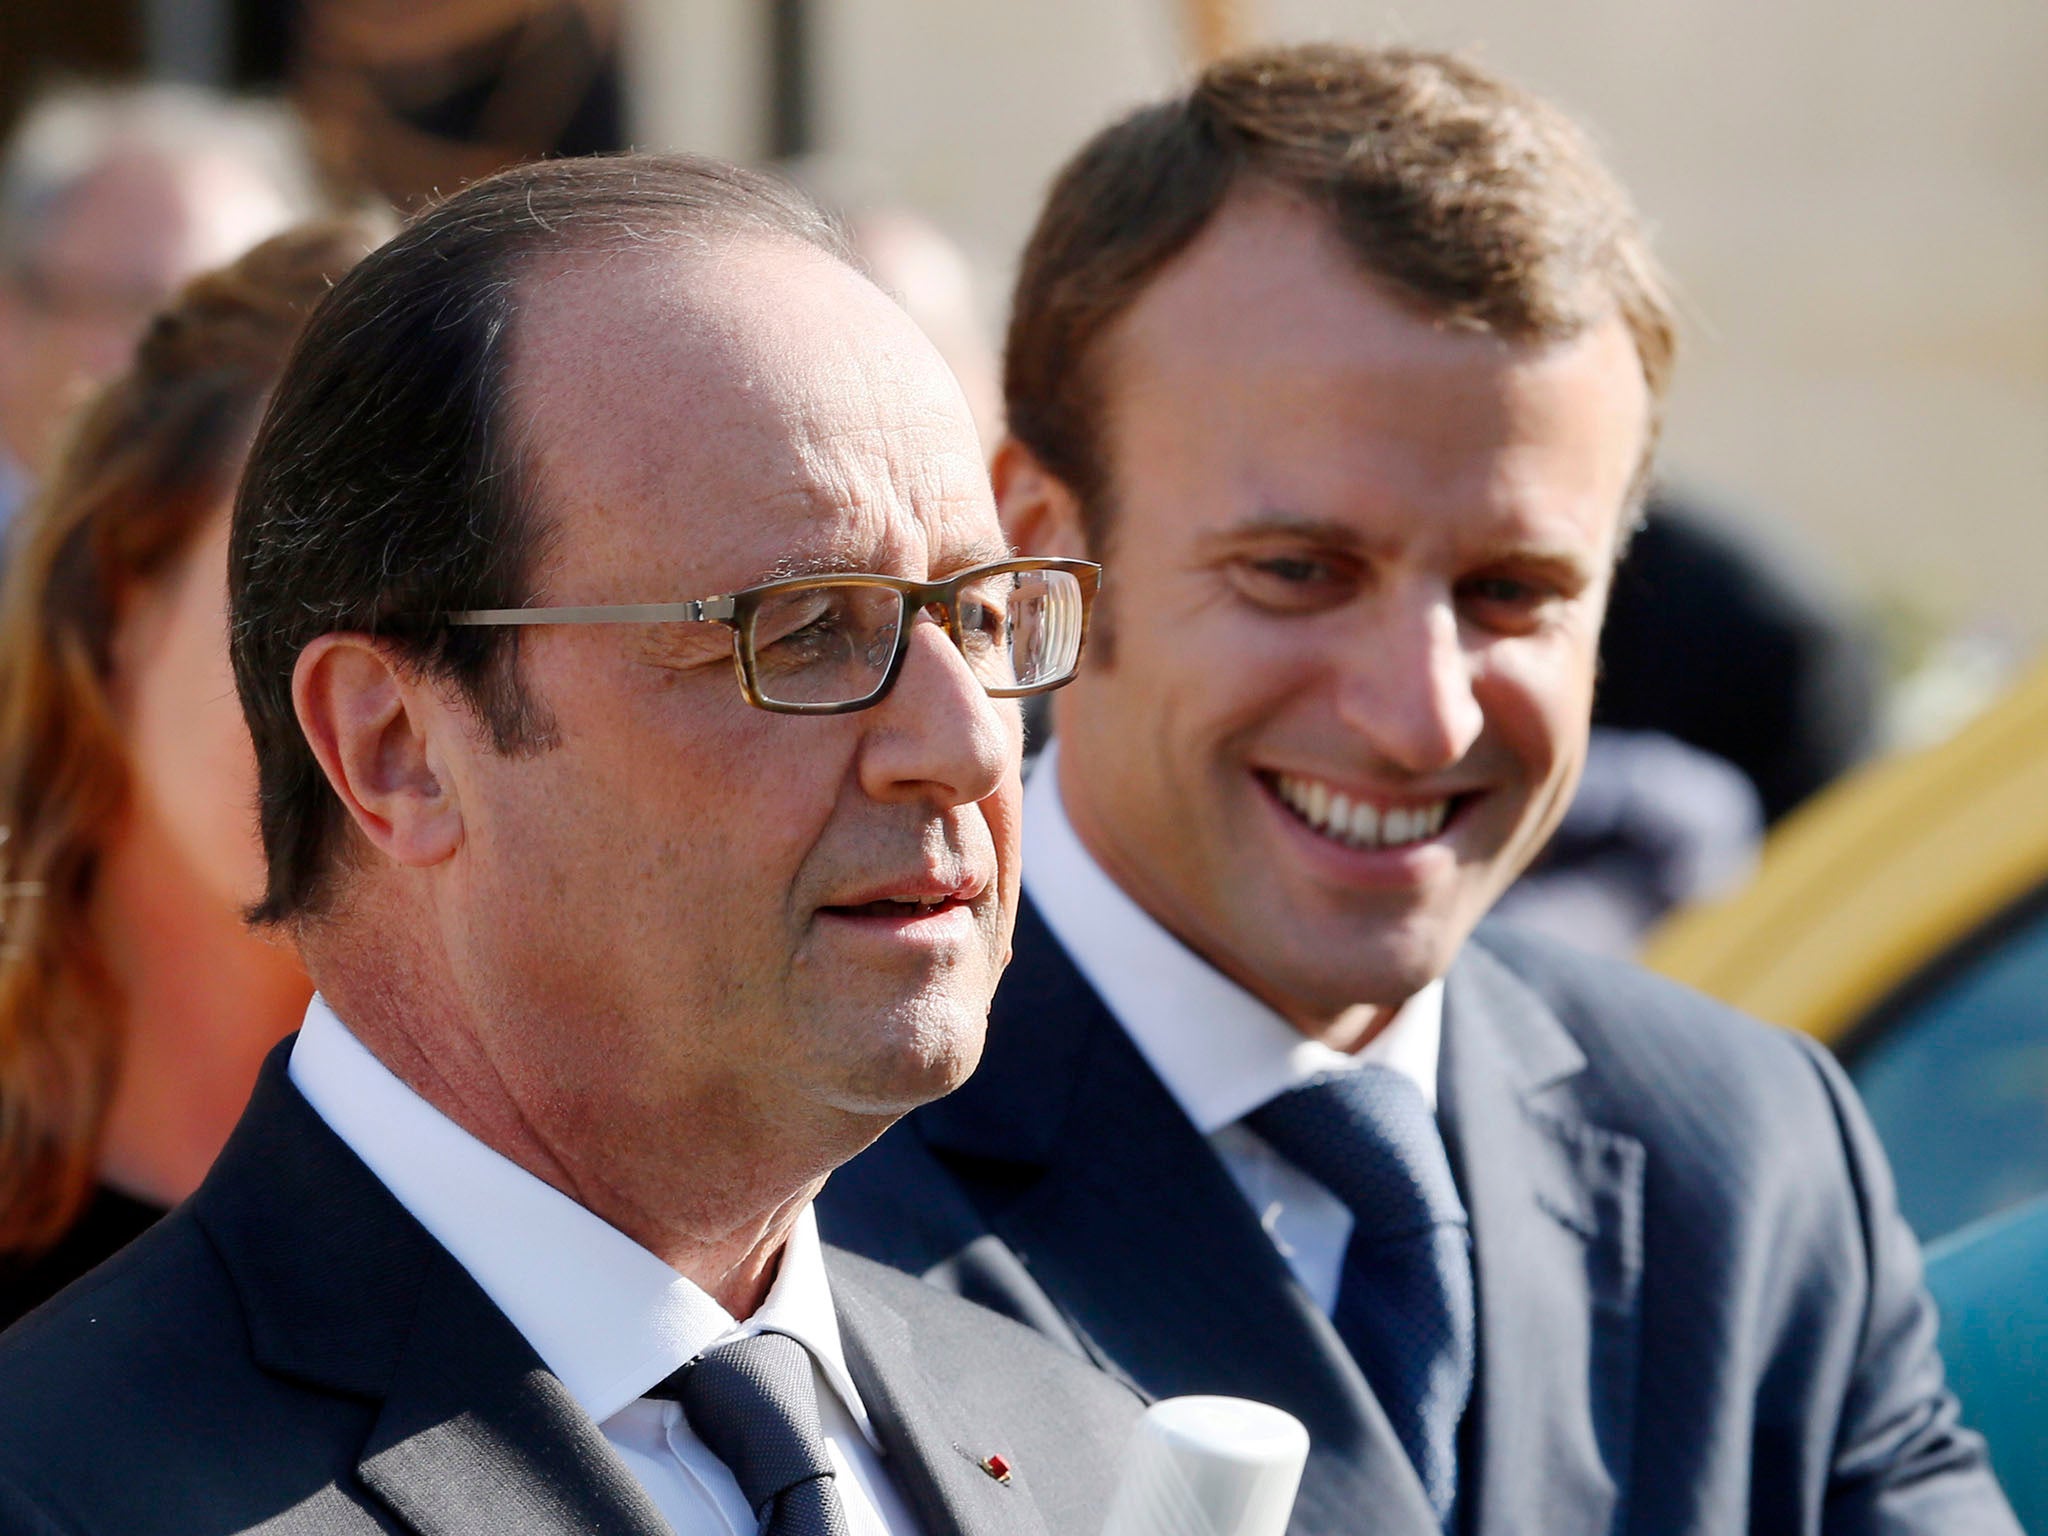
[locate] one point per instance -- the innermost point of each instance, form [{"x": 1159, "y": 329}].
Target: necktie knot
[
  {"x": 754, "y": 1404},
  {"x": 1369, "y": 1138}
]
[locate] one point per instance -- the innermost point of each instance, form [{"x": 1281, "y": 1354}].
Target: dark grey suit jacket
[
  {"x": 291, "y": 1351},
  {"x": 1699, "y": 1310}
]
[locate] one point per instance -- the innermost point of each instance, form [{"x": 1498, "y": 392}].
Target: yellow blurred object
[{"x": 1878, "y": 877}]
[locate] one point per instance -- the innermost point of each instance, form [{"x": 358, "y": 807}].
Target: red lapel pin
[{"x": 996, "y": 1467}]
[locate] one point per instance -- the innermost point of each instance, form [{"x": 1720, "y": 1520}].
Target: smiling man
[
  {"x": 1349, "y": 365},
  {"x": 631, "y": 649}
]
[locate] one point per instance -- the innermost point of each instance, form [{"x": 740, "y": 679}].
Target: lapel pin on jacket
[{"x": 997, "y": 1467}]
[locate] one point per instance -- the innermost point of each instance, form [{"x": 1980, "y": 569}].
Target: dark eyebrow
[
  {"x": 1333, "y": 534},
  {"x": 1311, "y": 530}
]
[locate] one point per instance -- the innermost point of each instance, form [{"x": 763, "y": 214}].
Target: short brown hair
[
  {"x": 386, "y": 482},
  {"x": 1477, "y": 201}
]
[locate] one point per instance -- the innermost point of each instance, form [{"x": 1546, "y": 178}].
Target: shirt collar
[
  {"x": 606, "y": 1316},
  {"x": 1219, "y": 1050}
]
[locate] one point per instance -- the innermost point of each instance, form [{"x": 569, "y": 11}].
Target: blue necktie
[
  {"x": 1404, "y": 1306},
  {"x": 754, "y": 1404}
]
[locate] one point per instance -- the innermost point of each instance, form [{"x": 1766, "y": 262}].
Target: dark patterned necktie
[
  {"x": 754, "y": 1404},
  {"x": 1404, "y": 1306}
]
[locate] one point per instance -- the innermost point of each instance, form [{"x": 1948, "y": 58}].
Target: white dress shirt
[
  {"x": 605, "y": 1315},
  {"x": 1220, "y": 1051}
]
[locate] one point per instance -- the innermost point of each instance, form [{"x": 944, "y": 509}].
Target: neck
[
  {"x": 706, "y": 1186},
  {"x": 202, "y": 1002}
]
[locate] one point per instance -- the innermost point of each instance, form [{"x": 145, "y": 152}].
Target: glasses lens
[
  {"x": 825, "y": 644},
  {"x": 1021, "y": 629}
]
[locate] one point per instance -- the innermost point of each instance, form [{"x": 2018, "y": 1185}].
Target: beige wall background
[{"x": 1854, "y": 199}]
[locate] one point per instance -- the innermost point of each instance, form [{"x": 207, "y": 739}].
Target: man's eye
[
  {"x": 982, "y": 622},
  {"x": 1511, "y": 604},
  {"x": 1293, "y": 568},
  {"x": 824, "y": 636},
  {"x": 1291, "y": 583},
  {"x": 1503, "y": 589}
]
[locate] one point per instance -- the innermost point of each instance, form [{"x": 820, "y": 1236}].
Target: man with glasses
[
  {"x": 1348, "y": 366},
  {"x": 629, "y": 646}
]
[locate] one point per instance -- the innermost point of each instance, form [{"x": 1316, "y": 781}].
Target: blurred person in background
[
  {"x": 410, "y": 97},
  {"x": 1740, "y": 642},
  {"x": 135, "y": 1004},
  {"x": 110, "y": 198},
  {"x": 1349, "y": 365}
]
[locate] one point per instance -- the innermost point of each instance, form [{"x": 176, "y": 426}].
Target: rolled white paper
[{"x": 1209, "y": 1466}]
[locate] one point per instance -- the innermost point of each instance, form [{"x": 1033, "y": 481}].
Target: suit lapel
[
  {"x": 1131, "y": 1222},
  {"x": 1556, "y": 1207},
  {"x": 924, "y": 1429},
  {"x": 476, "y": 1434},
  {"x": 343, "y": 1290}
]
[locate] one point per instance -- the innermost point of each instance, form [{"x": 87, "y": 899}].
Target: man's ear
[
  {"x": 369, "y": 725},
  {"x": 1041, "y": 516}
]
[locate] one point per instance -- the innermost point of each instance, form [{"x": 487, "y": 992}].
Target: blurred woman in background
[{"x": 135, "y": 1004}]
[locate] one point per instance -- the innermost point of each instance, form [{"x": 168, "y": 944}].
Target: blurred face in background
[
  {"x": 191, "y": 770},
  {"x": 111, "y": 252},
  {"x": 1356, "y": 569}
]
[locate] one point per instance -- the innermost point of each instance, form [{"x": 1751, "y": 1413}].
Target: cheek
[
  {"x": 726, "y": 815},
  {"x": 1210, "y": 669},
  {"x": 1538, "y": 705}
]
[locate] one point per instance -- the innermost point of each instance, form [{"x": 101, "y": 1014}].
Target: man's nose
[
  {"x": 1407, "y": 685},
  {"x": 938, "y": 736}
]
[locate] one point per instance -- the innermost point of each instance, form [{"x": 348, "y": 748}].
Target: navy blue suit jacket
[
  {"x": 1699, "y": 1309},
  {"x": 291, "y": 1352}
]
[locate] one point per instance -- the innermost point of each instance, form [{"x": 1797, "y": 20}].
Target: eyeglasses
[{"x": 829, "y": 645}]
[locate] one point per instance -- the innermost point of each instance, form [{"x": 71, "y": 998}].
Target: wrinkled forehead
[{"x": 706, "y": 419}]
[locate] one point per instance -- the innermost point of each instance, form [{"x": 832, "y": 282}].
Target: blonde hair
[{"x": 151, "y": 459}]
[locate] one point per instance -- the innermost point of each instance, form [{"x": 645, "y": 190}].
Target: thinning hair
[
  {"x": 387, "y": 481},
  {"x": 1471, "y": 199}
]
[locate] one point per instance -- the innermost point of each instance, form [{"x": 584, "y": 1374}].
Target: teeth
[
  {"x": 1366, "y": 825},
  {"x": 1359, "y": 823}
]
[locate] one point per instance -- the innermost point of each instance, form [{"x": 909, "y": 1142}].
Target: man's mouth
[
  {"x": 913, "y": 898},
  {"x": 894, "y": 906},
  {"x": 1357, "y": 822}
]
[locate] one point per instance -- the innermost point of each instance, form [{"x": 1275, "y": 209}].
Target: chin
[
  {"x": 1379, "y": 969},
  {"x": 930, "y": 1051}
]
